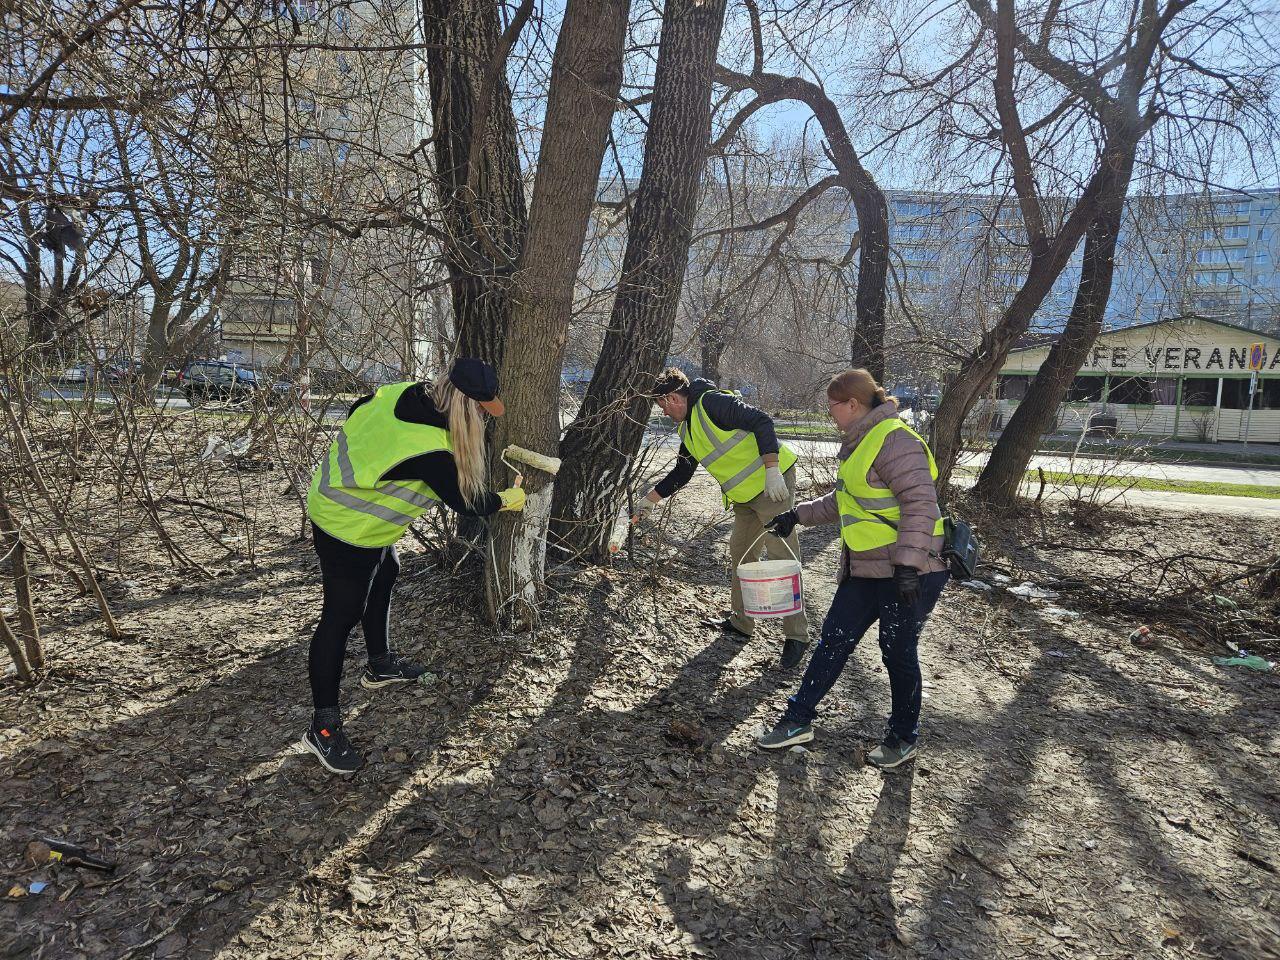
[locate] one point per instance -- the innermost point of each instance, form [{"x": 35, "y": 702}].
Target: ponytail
[
  {"x": 466, "y": 432},
  {"x": 857, "y": 385}
]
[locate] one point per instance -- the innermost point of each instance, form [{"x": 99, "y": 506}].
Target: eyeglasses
[{"x": 831, "y": 404}]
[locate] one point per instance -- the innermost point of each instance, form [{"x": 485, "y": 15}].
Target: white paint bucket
[{"x": 771, "y": 588}]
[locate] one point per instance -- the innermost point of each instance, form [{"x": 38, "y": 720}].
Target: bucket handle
[{"x": 757, "y": 540}]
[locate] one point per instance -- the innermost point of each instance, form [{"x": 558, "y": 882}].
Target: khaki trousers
[{"x": 749, "y": 520}]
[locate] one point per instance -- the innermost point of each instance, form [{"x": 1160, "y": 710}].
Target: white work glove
[
  {"x": 644, "y": 506},
  {"x": 774, "y": 486}
]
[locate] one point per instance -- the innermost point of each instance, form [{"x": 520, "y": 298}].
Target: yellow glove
[{"x": 512, "y": 498}]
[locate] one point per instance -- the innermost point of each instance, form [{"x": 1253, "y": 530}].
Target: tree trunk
[
  {"x": 1003, "y": 473},
  {"x": 713, "y": 345},
  {"x": 1108, "y": 187},
  {"x": 586, "y": 75},
  {"x": 602, "y": 441},
  {"x": 979, "y": 369},
  {"x": 873, "y": 271},
  {"x": 28, "y": 627},
  {"x": 483, "y": 208},
  {"x": 11, "y": 643}
]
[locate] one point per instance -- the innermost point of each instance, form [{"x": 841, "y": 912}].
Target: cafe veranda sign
[{"x": 1206, "y": 358}]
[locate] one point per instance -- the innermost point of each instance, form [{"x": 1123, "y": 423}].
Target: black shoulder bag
[
  {"x": 961, "y": 551},
  {"x": 960, "y": 548}
]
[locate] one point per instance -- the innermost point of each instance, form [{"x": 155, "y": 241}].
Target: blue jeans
[{"x": 860, "y": 602}]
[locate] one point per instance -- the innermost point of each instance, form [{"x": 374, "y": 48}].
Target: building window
[
  {"x": 1235, "y": 394},
  {"x": 1236, "y": 208},
  {"x": 912, "y": 208},
  {"x": 1231, "y": 255},
  {"x": 1237, "y": 231},
  {"x": 921, "y": 254},
  {"x": 1014, "y": 386},
  {"x": 1134, "y": 390},
  {"x": 911, "y": 231},
  {"x": 1085, "y": 390},
  {"x": 1200, "y": 391}
]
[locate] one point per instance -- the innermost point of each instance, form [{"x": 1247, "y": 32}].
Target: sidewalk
[{"x": 1166, "y": 450}]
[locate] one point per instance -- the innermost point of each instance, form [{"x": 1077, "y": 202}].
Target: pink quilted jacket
[{"x": 902, "y": 467}]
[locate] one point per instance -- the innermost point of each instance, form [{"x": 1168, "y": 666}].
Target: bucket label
[{"x": 772, "y": 596}]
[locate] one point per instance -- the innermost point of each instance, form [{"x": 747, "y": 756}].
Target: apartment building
[
  {"x": 321, "y": 148},
  {"x": 1214, "y": 255}
]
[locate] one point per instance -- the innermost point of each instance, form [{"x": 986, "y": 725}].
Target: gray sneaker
[
  {"x": 786, "y": 734},
  {"x": 892, "y": 753}
]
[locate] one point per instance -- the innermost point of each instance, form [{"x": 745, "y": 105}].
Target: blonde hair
[
  {"x": 466, "y": 430},
  {"x": 857, "y": 385}
]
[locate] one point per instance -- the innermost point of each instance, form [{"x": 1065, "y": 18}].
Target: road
[
  {"x": 168, "y": 399},
  {"x": 1093, "y": 466},
  {"x": 1086, "y": 466}
]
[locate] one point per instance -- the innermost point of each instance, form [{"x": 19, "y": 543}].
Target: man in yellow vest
[{"x": 736, "y": 444}]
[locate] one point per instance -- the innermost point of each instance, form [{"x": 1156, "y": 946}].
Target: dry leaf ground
[{"x": 594, "y": 790}]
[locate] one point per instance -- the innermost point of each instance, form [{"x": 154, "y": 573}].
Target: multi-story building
[
  {"x": 318, "y": 150},
  {"x": 1210, "y": 254}
]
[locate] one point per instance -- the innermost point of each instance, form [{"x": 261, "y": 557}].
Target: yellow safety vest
[
  {"x": 731, "y": 456},
  {"x": 347, "y": 499},
  {"x": 869, "y": 515}
]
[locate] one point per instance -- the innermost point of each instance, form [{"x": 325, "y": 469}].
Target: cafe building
[{"x": 1188, "y": 378}]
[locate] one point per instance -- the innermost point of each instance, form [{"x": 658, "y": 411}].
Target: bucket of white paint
[{"x": 771, "y": 588}]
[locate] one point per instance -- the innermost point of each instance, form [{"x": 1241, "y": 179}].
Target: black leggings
[{"x": 357, "y": 589}]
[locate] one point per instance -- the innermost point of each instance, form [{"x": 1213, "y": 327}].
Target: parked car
[
  {"x": 124, "y": 371},
  {"x": 79, "y": 373},
  {"x": 221, "y": 381}
]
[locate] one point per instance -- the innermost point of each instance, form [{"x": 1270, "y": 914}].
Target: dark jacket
[
  {"x": 436, "y": 469},
  {"x": 903, "y": 467},
  {"x": 728, "y": 413}
]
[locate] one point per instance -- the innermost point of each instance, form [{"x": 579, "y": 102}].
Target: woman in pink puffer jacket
[{"x": 891, "y": 569}]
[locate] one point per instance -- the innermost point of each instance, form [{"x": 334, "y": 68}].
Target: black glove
[
  {"x": 783, "y": 524},
  {"x": 907, "y": 580}
]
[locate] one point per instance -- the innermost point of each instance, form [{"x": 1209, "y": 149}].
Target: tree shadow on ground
[
  {"x": 208, "y": 773},
  {"x": 587, "y": 788},
  {"x": 803, "y": 901}
]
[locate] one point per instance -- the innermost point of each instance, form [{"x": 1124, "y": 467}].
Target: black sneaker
[
  {"x": 726, "y": 625},
  {"x": 333, "y": 749},
  {"x": 786, "y": 734},
  {"x": 793, "y": 653},
  {"x": 395, "y": 669}
]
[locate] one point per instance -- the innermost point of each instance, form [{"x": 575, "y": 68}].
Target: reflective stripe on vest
[
  {"x": 869, "y": 515},
  {"x": 347, "y": 499},
  {"x": 731, "y": 456}
]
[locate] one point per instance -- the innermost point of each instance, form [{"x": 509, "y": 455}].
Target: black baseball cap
[{"x": 479, "y": 381}]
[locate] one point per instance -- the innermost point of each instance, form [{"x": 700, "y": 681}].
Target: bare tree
[
  {"x": 1029, "y": 151},
  {"x": 586, "y": 74},
  {"x": 872, "y": 241},
  {"x": 1128, "y": 96},
  {"x": 605, "y": 436}
]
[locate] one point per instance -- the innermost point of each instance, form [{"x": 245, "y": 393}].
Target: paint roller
[{"x": 529, "y": 458}]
